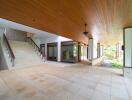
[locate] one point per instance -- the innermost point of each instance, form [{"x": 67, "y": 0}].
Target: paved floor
[
  {"x": 107, "y": 63},
  {"x": 64, "y": 82}
]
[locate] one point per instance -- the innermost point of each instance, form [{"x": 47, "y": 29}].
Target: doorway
[{"x": 52, "y": 51}]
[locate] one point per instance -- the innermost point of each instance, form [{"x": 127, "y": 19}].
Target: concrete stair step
[{"x": 25, "y": 54}]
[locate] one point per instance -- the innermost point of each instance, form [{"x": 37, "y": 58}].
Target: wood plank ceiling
[{"x": 105, "y": 18}]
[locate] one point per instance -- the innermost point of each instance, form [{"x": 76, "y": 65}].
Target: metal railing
[
  {"x": 9, "y": 49},
  {"x": 36, "y": 47}
]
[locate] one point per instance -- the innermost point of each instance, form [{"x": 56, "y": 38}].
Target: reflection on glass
[
  {"x": 69, "y": 53},
  {"x": 50, "y": 51},
  {"x": 55, "y": 51},
  {"x": 75, "y": 51}
]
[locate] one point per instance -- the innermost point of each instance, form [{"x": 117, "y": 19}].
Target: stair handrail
[
  {"x": 8, "y": 47},
  {"x": 32, "y": 41},
  {"x": 29, "y": 39}
]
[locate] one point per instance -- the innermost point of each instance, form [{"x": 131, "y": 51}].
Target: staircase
[{"x": 25, "y": 54}]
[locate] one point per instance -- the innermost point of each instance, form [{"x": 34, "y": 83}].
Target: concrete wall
[
  {"x": 15, "y": 34},
  {"x": 3, "y": 64}
]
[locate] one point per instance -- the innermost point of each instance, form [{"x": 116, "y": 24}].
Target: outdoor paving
[{"x": 58, "y": 81}]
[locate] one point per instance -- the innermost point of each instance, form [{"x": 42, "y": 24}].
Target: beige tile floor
[{"x": 64, "y": 82}]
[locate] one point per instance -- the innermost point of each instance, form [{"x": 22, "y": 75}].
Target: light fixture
[{"x": 85, "y": 32}]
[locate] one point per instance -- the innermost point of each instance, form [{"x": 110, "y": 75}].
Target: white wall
[{"x": 16, "y": 35}]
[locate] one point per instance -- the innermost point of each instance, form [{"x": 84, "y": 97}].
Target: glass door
[
  {"x": 69, "y": 51},
  {"x": 52, "y": 51},
  {"x": 55, "y": 52}
]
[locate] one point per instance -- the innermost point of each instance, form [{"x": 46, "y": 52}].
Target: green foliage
[
  {"x": 110, "y": 52},
  {"x": 116, "y": 64}
]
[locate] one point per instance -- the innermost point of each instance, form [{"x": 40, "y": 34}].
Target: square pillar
[
  {"x": 127, "y": 41},
  {"x": 90, "y": 49},
  {"x": 101, "y": 50},
  {"x": 59, "y": 51},
  {"x": 98, "y": 50}
]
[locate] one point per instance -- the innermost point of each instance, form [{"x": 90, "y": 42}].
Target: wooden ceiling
[{"x": 105, "y": 18}]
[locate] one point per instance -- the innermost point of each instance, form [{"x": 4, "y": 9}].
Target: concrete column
[
  {"x": 90, "y": 49},
  {"x": 85, "y": 52},
  {"x": 101, "y": 50},
  {"x": 127, "y": 62},
  {"x": 98, "y": 50},
  {"x": 59, "y": 51},
  {"x": 46, "y": 50}
]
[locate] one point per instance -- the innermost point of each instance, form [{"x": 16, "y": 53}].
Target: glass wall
[
  {"x": 69, "y": 52},
  {"x": 52, "y": 51}
]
